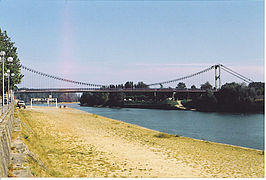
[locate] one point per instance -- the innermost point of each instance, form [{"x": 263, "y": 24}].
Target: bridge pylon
[{"x": 217, "y": 77}]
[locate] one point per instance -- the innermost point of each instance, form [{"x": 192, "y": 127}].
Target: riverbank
[
  {"x": 167, "y": 105},
  {"x": 73, "y": 143},
  {"x": 177, "y": 106}
]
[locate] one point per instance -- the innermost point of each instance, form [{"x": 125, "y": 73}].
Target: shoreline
[
  {"x": 75, "y": 143},
  {"x": 259, "y": 150},
  {"x": 173, "y": 108},
  {"x": 164, "y": 132}
]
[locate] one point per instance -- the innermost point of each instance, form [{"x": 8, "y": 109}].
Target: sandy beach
[{"x": 72, "y": 143}]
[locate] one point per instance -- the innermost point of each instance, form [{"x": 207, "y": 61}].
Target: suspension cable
[
  {"x": 60, "y": 79},
  {"x": 153, "y": 84},
  {"x": 182, "y": 78},
  {"x": 232, "y": 73},
  {"x": 249, "y": 80}
]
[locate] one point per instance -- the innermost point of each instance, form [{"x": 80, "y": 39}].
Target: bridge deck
[{"x": 80, "y": 90}]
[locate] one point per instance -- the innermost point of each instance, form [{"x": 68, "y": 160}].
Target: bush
[{"x": 162, "y": 135}]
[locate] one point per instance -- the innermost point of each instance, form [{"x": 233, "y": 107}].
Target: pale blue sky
[{"x": 115, "y": 41}]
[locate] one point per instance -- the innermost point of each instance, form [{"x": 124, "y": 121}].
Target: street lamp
[
  {"x": 7, "y": 75},
  {"x": 11, "y": 91},
  {"x": 8, "y": 85},
  {"x": 2, "y": 55},
  {"x": 10, "y": 60},
  {"x": 8, "y": 82}
]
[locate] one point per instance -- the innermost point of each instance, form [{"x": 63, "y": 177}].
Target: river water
[{"x": 246, "y": 130}]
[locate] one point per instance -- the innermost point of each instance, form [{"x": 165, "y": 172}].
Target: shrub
[{"x": 162, "y": 135}]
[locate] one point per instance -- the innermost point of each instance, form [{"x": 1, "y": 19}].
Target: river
[{"x": 246, "y": 130}]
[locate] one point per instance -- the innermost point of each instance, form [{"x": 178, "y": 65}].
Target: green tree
[
  {"x": 193, "y": 87},
  {"x": 129, "y": 84},
  {"x": 112, "y": 86},
  {"x": 207, "y": 101},
  {"x": 258, "y": 87},
  {"x": 181, "y": 85},
  {"x": 206, "y": 86},
  {"x": 116, "y": 99},
  {"x": 11, "y": 51},
  {"x": 236, "y": 97},
  {"x": 141, "y": 85},
  {"x": 92, "y": 99},
  {"x": 83, "y": 99}
]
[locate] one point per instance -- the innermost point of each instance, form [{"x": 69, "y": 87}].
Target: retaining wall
[{"x": 6, "y": 127}]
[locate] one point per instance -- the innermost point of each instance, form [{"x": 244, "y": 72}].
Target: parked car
[{"x": 21, "y": 104}]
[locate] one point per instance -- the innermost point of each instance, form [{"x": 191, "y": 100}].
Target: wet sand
[{"x": 73, "y": 143}]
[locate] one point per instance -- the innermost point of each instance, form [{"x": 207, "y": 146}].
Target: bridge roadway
[{"x": 109, "y": 90}]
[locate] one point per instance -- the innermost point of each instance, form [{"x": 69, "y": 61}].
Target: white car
[{"x": 21, "y": 104}]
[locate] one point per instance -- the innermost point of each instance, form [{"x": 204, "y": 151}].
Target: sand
[{"x": 73, "y": 143}]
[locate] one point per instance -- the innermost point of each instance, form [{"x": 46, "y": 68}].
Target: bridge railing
[{"x": 80, "y": 90}]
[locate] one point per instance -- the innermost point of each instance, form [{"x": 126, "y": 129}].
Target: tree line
[
  {"x": 128, "y": 84},
  {"x": 232, "y": 97}
]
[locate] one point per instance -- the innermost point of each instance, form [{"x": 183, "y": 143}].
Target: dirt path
[
  {"x": 180, "y": 105},
  {"x": 73, "y": 143}
]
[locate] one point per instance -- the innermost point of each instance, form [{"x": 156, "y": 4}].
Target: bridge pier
[{"x": 173, "y": 96}]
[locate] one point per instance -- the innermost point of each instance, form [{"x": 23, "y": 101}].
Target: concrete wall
[{"x": 6, "y": 127}]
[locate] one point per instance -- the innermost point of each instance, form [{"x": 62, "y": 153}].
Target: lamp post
[
  {"x": 7, "y": 94},
  {"x": 2, "y": 55},
  {"x": 10, "y": 60},
  {"x": 8, "y": 84},
  {"x": 11, "y": 91}
]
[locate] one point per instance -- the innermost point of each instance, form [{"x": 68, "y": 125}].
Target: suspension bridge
[{"x": 50, "y": 83}]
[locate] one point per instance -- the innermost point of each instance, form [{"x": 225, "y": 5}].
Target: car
[{"x": 21, "y": 104}]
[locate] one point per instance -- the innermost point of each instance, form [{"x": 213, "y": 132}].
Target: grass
[
  {"x": 59, "y": 155},
  {"x": 38, "y": 144}
]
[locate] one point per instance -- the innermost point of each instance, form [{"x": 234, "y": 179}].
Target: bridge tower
[{"x": 218, "y": 77}]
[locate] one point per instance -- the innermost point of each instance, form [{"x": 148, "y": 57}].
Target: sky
[{"x": 108, "y": 42}]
